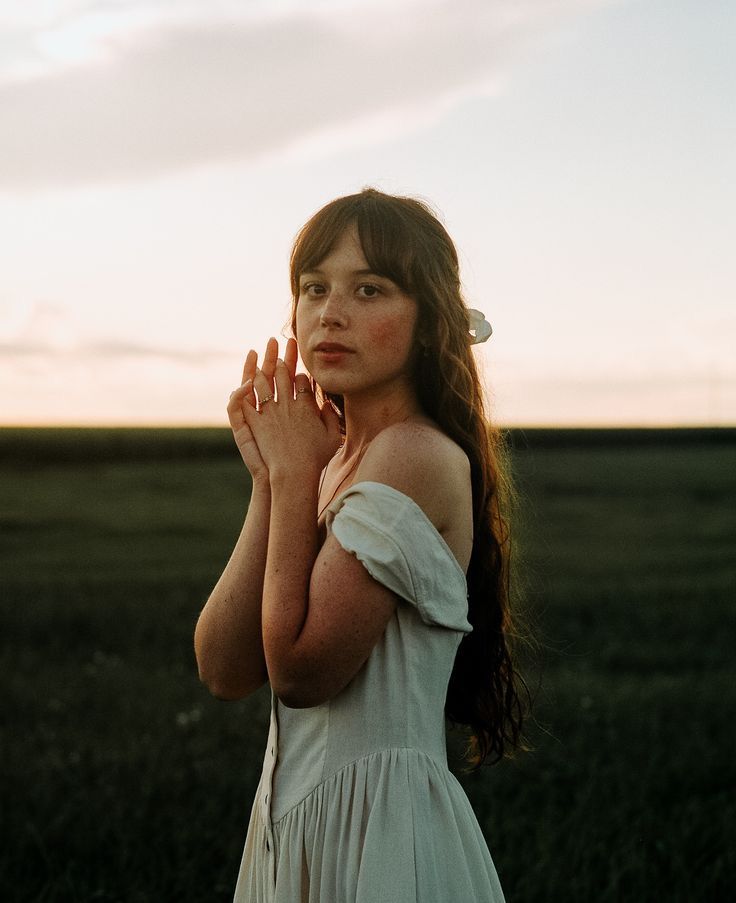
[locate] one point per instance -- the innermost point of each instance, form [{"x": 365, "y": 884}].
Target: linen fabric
[{"x": 356, "y": 803}]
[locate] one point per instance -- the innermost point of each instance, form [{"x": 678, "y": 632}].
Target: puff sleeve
[{"x": 401, "y": 548}]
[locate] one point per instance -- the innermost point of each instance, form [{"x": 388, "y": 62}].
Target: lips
[{"x": 332, "y": 346}]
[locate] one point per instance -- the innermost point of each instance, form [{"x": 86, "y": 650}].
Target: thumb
[{"x": 331, "y": 420}]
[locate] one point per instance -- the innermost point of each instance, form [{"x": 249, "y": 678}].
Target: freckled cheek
[
  {"x": 381, "y": 330},
  {"x": 391, "y": 333}
]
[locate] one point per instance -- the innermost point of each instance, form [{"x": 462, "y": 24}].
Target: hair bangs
[
  {"x": 387, "y": 242},
  {"x": 316, "y": 238},
  {"x": 386, "y": 234}
]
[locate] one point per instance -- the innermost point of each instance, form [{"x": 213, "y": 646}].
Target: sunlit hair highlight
[{"x": 403, "y": 239}]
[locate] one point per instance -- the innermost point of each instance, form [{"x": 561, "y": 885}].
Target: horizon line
[{"x": 502, "y": 426}]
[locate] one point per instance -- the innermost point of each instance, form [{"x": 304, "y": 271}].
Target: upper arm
[
  {"x": 347, "y": 613},
  {"x": 348, "y": 610}
]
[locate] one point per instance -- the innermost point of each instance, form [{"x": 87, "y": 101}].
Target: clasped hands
[{"x": 288, "y": 434}]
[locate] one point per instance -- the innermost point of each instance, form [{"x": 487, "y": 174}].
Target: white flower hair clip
[{"x": 480, "y": 328}]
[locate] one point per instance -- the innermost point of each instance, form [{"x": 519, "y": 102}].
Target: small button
[{"x": 272, "y": 750}]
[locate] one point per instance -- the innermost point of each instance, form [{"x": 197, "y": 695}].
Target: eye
[
  {"x": 312, "y": 289},
  {"x": 369, "y": 290}
]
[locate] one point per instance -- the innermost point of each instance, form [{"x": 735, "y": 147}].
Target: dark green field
[{"x": 124, "y": 781}]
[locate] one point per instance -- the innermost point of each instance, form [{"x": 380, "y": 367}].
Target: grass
[{"x": 124, "y": 781}]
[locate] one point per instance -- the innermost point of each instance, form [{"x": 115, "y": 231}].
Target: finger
[
  {"x": 251, "y": 362},
  {"x": 263, "y": 386},
  {"x": 235, "y": 412},
  {"x": 243, "y": 395},
  {"x": 246, "y": 392},
  {"x": 284, "y": 385},
  {"x": 290, "y": 356},
  {"x": 236, "y": 418},
  {"x": 269, "y": 361},
  {"x": 250, "y": 414},
  {"x": 302, "y": 386}
]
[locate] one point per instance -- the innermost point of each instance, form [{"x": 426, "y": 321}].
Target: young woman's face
[{"x": 341, "y": 301}]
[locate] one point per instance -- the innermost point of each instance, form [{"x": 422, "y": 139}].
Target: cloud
[
  {"x": 47, "y": 331},
  {"x": 175, "y": 94},
  {"x": 111, "y": 350}
]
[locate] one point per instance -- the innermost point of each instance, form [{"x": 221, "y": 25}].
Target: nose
[{"x": 333, "y": 310}]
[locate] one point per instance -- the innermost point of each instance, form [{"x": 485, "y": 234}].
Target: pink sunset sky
[{"x": 156, "y": 159}]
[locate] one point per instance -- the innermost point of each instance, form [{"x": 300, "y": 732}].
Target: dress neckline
[{"x": 418, "y": 508}]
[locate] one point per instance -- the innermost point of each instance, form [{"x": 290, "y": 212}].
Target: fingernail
[{"x": 279, "y": 361}]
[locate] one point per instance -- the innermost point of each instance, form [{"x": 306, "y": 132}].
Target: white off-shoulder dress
[{"x": 356, "y": 803}]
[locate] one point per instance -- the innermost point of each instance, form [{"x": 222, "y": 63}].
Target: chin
[
  {"x": 333, "y": 386},
  {"x": 328, "y": 380}
]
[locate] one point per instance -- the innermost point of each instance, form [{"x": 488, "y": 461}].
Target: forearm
[
  {"x": 292, "y": 550},
  {"x": 228, "y": 639}
]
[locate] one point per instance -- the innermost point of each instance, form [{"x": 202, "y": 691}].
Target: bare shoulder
[{"x": 421, "y": 461}]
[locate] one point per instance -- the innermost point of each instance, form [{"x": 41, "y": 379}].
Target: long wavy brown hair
[{"x": 403, "y": 240}]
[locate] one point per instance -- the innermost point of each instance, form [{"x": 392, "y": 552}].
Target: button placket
[
  {"x": 269, "y": 765},
  {"x": 266, "y": 793}
]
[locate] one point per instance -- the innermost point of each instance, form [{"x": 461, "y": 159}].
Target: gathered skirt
[{"x": 395, "y": 826}]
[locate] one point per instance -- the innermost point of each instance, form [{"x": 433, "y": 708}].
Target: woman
[{"x": 347, "y": 589}]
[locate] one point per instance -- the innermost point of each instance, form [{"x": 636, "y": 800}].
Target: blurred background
[{"x": 156, "y": 160}]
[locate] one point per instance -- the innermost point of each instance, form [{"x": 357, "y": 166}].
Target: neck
[{"x": 366, "y": 415}]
